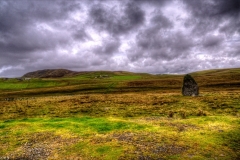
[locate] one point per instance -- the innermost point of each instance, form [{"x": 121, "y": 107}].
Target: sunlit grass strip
[
  {"x": 77, "y": 125},
  {"x": 201, "y": 137}
]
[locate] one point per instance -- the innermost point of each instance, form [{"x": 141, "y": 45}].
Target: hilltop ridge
[
  {"x": 228, "y": 73},
  {"x": 50, "y": 73},
  {"x": 59, "y": 73}
]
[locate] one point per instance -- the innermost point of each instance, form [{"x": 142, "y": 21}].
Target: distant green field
[
  {"x": 34, "y": 83},
  {"x": 88, "y": 78},
  {"x": 106, "y": 76},
  {"x": 129, "y": 77}
]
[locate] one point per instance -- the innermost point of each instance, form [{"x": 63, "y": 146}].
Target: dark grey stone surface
[{"x": 190, "y": 87}]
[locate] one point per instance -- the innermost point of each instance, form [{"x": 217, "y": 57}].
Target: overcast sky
[{"x": 154, "y": 36}]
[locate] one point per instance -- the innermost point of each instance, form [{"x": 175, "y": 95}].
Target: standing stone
[{"x": 190, "y": 87}]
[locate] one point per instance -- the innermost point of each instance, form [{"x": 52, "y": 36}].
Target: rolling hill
[
  {"x": 59, "y": 73},
  {"x": 230, "y": 73},
  {"x": 50, "y": 73}
]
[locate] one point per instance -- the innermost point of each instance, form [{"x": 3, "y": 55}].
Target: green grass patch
[
  {"x": 127, "y": 77},
  {"x": 105, "y": 150},
  {"x": 81, "y": 125},
  {"x": 112, "y": 138},
  {"x": 29, "y": 84}
]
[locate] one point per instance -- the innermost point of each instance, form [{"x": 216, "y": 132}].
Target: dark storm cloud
[
  {"x": 18, "y": 28},
  {"x": 159, "y": 36},
  {"x": 152, "y": 37},
  {"x": 23, "y": 30},
  {"x": 15, "y": 15},
  {"x": 107, "y": 18},
  {"x": 214, "y": 8},
  {"x": 208, "y": 15},
  {"x": 158, "y": 42},
  {"x": 161, "y": 47}
]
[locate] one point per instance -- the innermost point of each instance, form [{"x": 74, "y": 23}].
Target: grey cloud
[
  {"x": 154, "y": 43},
  {"x": 156, "y": 35},
  {"x": 15, "y": 15},
  {"x": 155, "y": 2},
  {"x": 11, "y": 17},
  {"x": 209, "y": 15},
  {"x": 181, "y": 42},
  {"x": 135, "y": 35},
  {"x": 107, "y": 18},
  {"x": 51, "y": 60},
  {"x": 161, "y": 21},
  {"x": 230, "y": 7},
  {"x": 21, "y": 35},
  {"x": 108, "y": 47},
  {"x": 98, "y": 62},
  {"x": 211, "y": 41},
  {"x": 81, "y": 34},
  {"x": 135, "y": 54},
  {"x": 134, "y": 15},
  {"x": 234, "y": 50},
  {"x": 214, "y": 8},
  {"x": 32, "y": 40}
]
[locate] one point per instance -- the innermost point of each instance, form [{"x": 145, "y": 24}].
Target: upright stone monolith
[{"x": 190, "y": 87}]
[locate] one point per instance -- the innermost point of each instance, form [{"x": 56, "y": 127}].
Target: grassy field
[{"x": 121, "y": 116}]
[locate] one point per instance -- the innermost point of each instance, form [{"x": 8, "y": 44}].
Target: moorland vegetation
[{"x": 120, "y": 115}]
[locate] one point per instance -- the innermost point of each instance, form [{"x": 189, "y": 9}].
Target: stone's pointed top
[
  {"x": 188, "y": 77},
  {"x": 190, "y": 87}
]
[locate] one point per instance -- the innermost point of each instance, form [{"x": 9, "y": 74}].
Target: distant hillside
[
  {"x": 50, "y": 73},
  {"x": 58, "y": 73},
  {"x": 218, "y": 77},
  {"x": 227, "y": 75},
  {"x": 226, "y": 71},
  {"x": 204, "y": 77}
]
